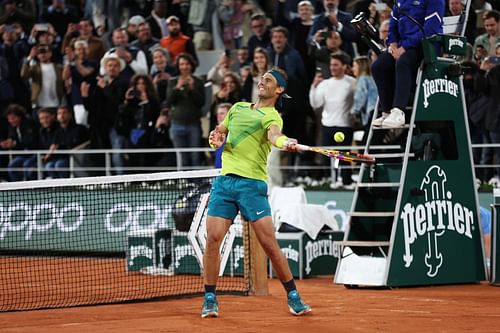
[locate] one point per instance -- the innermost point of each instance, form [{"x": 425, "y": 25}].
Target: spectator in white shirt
[{"x": 335, "y": 95}]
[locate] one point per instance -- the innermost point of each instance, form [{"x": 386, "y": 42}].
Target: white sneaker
[
  {"x": 378, "y": 122},
  {"x": 350, "y": 187},
  {"x": 395, "y": 119}
]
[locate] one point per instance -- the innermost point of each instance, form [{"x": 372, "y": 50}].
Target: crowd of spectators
[{"x": 121, "y": 74}]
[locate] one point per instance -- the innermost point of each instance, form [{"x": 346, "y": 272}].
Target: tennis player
[{"x": 251, "y": 129}]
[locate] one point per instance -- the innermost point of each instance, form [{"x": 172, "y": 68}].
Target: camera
[
  {"x": 41, "y": 27},
  {"x": 494, "y": 60},
  {"x": 227, "y": 53},
  {"x": 369, "y": 34},
  {"x": 134, "y": 93}
]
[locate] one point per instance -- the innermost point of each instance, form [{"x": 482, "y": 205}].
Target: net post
[{"x": 258, "y": 263}]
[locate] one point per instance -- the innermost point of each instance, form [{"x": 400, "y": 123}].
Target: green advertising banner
[{"x": 80, "y": 220}]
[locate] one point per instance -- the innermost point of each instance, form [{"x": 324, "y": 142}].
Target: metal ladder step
[
  {"x": 373, "y": 185},
  {"x": 362, "y": 243},
  {"x": 371, "y": 214},
  {"x": 393, "y": 155}
]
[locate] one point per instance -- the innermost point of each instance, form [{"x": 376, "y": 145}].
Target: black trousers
[{"x": 396, "y": 79}]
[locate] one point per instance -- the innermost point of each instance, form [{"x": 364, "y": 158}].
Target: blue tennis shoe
[
  {"x": 295, "y": 304},
  {"x": 210, "y": 306}
]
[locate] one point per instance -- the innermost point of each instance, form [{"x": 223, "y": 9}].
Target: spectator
[
  {"x": 46, "y": 135},
  {"x": 222, "y": 67},
  {"x": 260, "y": 65},
  {"x": 230, "y": 93},
  {"x": 334, "y": 20},
  {"x": 287, "y": 58},
  {"x": 14, "y": 51},
  {"x": 395, "y": 70},
  {"x": 335, "y": 96},
  {"x": 21, "y": 11},
  {"x": 4, "y": 159},
  {"x": 186, "y": 96},
  {"x": 455, "y": 8},
  {"x": 161, "y": 72},
  {"x": 476, "y": 104},
  {"x": 47, "y": 86},
  {"x": 46, "y": 35},
  {"x": 160, "y": 138},
  {"x": 156, "y": 20},
  {"x": 6, "y": 88},
  {"x": 221, "y": 112},
  {"x": 365, "y": 95},
  {"x": 176, "y": 42},
  {"x": 137, "y": 115},
  {"x": 133, "y": 27},
  {"x": 231, "y": 14},
  {"x": 261, "y": 34},
  {"x": 68, "y": 136},
  {"x": 79, "y": 69},
  {"x": 145, "y": 42},
  {"x": 321, "y": 54},
  {"x": 102, "y": 103},
  {"x": 134, "y": 58},
  {"x": 85, "y": 31},
  {"x": 294, "y": 111},
  {"x": 485, "y": 44},
  {"x": 22, "y": 135},
  {"x": 241, "y": 60},
  {"x": 59, "y": 15},
  {"x": 299, "y": 30},
  {"x": 201, "y": 17},
  {"x": 488, "y": 82}
]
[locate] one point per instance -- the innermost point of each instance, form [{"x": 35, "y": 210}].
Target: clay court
[{"x": 473, "y": 308}]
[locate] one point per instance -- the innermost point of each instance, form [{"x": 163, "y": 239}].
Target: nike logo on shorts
[{"x": 258, "y": 213}]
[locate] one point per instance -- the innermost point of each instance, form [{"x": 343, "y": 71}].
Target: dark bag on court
[{"x": 185, "y": 206}]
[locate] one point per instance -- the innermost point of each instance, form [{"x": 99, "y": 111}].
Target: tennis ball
[{"x": 338, "y": 137}]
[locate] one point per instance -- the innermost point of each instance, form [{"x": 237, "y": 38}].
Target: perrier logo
[
  {"x": 438, "y": 215},
  {"x": 437, "y": 86}
]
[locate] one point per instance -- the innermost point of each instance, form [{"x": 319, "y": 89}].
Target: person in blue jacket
[{"x": 395, "y": 70}]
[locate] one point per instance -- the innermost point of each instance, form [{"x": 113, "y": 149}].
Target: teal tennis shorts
[{"x": 232, "y": 193}]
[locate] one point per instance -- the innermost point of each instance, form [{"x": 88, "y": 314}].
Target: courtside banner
[{"x": 71, "y": 220}]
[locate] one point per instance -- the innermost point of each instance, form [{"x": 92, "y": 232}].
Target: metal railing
[{"x": 78, "y": 160}]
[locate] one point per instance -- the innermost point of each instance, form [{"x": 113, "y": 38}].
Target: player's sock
[
  {"x": 289, "y": 285},
  {"x": 209, "y": 288}
]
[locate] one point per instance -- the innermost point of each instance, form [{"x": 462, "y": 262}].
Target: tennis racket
[{"x": 342, "y": 156}]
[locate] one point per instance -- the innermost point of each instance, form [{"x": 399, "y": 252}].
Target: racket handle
[{"x": 302, "y": 147}]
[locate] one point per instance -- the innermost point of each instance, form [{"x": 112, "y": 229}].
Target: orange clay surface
[{"x": 457, "y": 308}]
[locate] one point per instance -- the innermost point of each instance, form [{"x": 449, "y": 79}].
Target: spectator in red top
[{"x": 176, "y": 42}]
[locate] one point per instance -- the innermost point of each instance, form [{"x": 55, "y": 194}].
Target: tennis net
[{"x": 100, "y": 240}]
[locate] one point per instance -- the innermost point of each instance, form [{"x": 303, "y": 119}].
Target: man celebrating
[{"x": 251, "y": 129}]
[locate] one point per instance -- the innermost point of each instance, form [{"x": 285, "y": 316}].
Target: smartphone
[
  {"x": 326, "y": 34},
  {"x": 494, "y": 60},
  {"x": 380, "y": 6},
  {"x": 41, "y": 27}
]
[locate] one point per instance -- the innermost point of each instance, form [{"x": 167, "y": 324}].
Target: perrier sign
[{"x": 438, "y": 232}]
